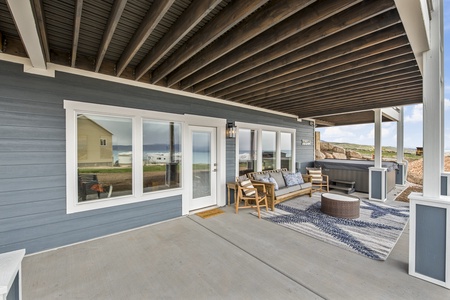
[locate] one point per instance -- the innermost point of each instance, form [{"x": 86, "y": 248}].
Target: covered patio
[
  {"x": 228, "y": 256},
  {"x": 163, "y": 73}
]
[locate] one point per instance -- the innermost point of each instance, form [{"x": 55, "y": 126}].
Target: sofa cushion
[
  {"x": 278, "y": 176},
  {"x": 271, "y": 180},
  {"x": 306, "y": 185},
  {"x": 260, "y": 177},
  {"x": 291, "y": 179},
  {"x": 247, "y": 184},
  {"x": 287, "y": 190}
]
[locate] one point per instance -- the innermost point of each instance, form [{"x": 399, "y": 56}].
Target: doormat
[
  {"x": 373, "y": 234},
  {"x": 210, "y": 213}
]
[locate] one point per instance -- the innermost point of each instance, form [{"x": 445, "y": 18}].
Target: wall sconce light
[
  {"x": 231, "y": 130},
  {"x": 311, "y": 123}
]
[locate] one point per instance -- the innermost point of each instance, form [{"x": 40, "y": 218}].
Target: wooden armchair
[
  {"x": 252, "y": 195},
  {"x": 319, "y": 181}
]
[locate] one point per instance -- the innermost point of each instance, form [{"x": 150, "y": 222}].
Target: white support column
[
  {"x": 402, "y": 165},
  {"x": 378, "y": 124},
  {"x": 429, "y": 246},
  {"x": 377, "y": 174}
]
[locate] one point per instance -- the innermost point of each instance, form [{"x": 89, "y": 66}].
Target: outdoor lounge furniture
[
  {"x": 88, "y": 184},
  {"x": 340, "y": 205},
  {"x": 318, "y": 180},
  {"x": 251, "y": 195},
  {"x": 278, "y": 189}
]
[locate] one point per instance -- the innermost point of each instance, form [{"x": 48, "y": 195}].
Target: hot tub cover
[{"x": 347, "y": 164}]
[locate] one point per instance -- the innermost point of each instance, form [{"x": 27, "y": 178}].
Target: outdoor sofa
[{"x": 283, "y": 185}]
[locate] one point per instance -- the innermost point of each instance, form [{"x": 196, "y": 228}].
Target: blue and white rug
[{"x": 373, "y": 234}]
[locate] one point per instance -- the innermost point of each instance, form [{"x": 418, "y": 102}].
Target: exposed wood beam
[
  {"x": 383, "y": 89},
  {"x": 390, "y": 67},
  {"x": 366, "y": 84},
  {"x": 261, "y": 20},
  {"x": 302, "y": 20},
  {"x": 400, "y": 98},
  {"x": 378, "y": 71},
  {"x": 309, "y": 106},
  {"x": 76, "y": 31},
  {"x": 188, "y": 20},
  {"x": 114, "y": 17},
  {"x": 324, "y": 123},
  {"x": 294, "y": 49},
  {"x": 154, "y": 15},
  {"x": 22, "y": 13},
  {"x": 231, "y": 15},
  {"x": 40, "y": 21},
  {"x": 365, "y": 56}
]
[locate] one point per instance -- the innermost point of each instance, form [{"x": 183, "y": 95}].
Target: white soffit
[
  {"x": 391, "y": 113},
  {"x": 416, "y": 21},
  {"x": 23, "y": 17}
]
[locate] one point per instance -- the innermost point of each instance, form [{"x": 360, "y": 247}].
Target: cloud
[
  {"x": 416, "y": 114},
  {"x": 446, "y": 103}
]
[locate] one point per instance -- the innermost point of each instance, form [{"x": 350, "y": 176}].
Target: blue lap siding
[{"x": 33, "y": 152}]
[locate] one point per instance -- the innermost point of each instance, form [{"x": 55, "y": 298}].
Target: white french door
[{"x": 203, "y": 167}]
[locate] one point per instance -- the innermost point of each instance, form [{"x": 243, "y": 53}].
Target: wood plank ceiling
[{"x": 309, "y": 58}]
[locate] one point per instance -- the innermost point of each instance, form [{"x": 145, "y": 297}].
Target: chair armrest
[
  {"x": 307, "y": 178},
  {"x": 267, "y": 185},
  {"x": 262, "y": 185}
]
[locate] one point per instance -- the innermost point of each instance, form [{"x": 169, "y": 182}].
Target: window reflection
[
  {"x": 269, "y": 149},
  {"x": 104, "y": 156},
  {"x": 162, "y": 155},
  {"x": 286, "y": 150},
  {"x": 247, "y": 151}
]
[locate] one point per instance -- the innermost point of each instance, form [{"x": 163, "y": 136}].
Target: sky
[{"x": 413, "y": 127}]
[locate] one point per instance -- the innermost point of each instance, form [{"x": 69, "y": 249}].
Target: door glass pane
[
  {"x": 104, "y": 156},
  {"x": 201, "y": 164},
  {"x": 286, "y": 150},
  {"x": 269, "y": 144},
  {"x": 162, "y": 155},
  {"x": 247, "y": 151}
]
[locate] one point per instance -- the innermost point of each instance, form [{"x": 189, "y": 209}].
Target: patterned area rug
[{"x": 373, "y": 234}]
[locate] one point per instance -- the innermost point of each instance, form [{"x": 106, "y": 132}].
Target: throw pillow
[
  {"x": 272, "y": 180},
  {"x": 279, "y": 178},
  {"x": 248, "y": 184},
  {"x": 291, "y": 179},
  {"x": 260, "y": 177},
  {"x": 300, "y": 178}
]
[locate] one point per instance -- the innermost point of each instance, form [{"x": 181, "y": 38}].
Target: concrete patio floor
[{"x": 228, "y": 256}]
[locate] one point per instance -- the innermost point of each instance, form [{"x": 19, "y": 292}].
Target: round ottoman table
[{"x": 340, "y": 206}]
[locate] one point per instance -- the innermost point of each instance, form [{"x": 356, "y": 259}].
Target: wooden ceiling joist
[
  {"x": 76, "y": 31},
  {"x": 343, "y": 63},
  {"x": 229, "y": 17},
  {"x": 343, "y": 75},
  {"x": 114, "y": 17},
  {"x": 310, "y": 42},
  {"x": 344, "y": 43},
  {"x": 296, "y": 23},
  {"x": 152, "y": 18},
  {"x": 193, "y": 15},
  {"x": 40, "y": 20},
  {"x": 261, "y": 20}
]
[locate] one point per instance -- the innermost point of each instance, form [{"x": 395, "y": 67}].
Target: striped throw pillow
[{"x": 248, "y": 184}]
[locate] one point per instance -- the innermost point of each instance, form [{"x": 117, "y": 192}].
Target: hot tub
[{"x": 357, "y": 171}]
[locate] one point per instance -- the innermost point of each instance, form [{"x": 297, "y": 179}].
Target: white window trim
[
  {"x": 259, "y": 128},
  {"x": 137, "y": 115}
]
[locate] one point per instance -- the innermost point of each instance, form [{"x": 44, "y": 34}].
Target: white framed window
[
  {"x": 138, "y": 158},
  {"x": 261, "y": 147}
]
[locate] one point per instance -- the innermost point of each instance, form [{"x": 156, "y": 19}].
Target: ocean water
[{"x": 199, "y": 157}]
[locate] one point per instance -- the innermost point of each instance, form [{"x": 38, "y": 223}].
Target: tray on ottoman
[{"x": 340, "y": 206}]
